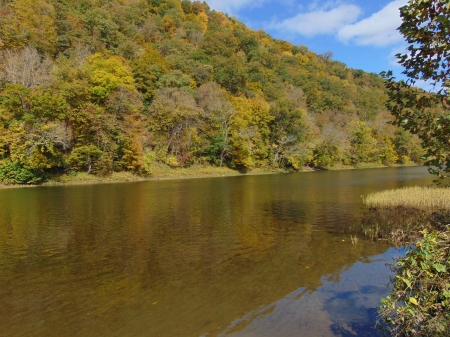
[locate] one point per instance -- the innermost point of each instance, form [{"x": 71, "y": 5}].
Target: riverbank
[
  {"x": 166, "y": 173},
  {"x": 82, "y": 178}
]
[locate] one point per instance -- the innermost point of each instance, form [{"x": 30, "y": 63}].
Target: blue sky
[{"x": 360, "y": 33}]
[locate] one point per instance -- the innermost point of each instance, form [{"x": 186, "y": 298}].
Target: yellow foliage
[
  {"x": 109, "y": 74},
  {"x": 152, "y": 56},
  {"x": 265, "y": 42},
  {"x": 251, "y": 130},
  {"x": 172, "y": 161},
  {"x": 169, "y": 24},
  {"x": 286, "y": 47},
  {"x": 224, "y": 21},
  {"x": 132, "y": 158},
  {"x": 388, "y": 155},
  {"x": 256, "y": 87},
  {"x": 302, "y": 59},
  {"x": 33, "y": 23},
  {"x": 204, "y": 21}
]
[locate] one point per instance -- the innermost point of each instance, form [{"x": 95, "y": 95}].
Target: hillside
[{"x": 100, "y": 86}]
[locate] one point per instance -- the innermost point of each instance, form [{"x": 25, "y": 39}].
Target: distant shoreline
[{"x": 175, "y": 174}]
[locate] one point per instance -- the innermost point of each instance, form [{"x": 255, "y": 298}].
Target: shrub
[
  {"x": 419, "y": 304},
  {"x": 15, "y": 173}
]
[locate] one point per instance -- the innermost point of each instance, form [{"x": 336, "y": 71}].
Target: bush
[
  {"x": 419, "y": 304},
  {"x": 14, "y": 173}
]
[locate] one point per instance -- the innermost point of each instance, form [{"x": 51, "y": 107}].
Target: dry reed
[
  {"x": 429, "y": 199},
  {"x": 399, "y": 215}
]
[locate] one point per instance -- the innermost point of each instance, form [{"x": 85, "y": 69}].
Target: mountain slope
[{"x": 113, "y": 85}]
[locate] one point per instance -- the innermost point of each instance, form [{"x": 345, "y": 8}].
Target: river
[{"x": 267, "y": 255}]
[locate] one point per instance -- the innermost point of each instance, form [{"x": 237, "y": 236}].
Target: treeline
[{"x": 125, "y": 85}]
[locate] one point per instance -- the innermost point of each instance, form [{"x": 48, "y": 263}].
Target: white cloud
[
  {"x": 427, "y": 86},
  {"x": 393, "y": 61},
  {"x": 319, "y": 21},
  {"x": 232, "y": 6},
  {"x": 380, "y": 29}
]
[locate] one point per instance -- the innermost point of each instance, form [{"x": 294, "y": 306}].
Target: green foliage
[
  {"x": 147, "y": 70},
  {"x": 426, "y": 27},
  {"x": 419, "y": 304},
  {"x": 326, "y": 154},
  {"x": 363, "y": 143},
  {"x": 15, "y": 173},
  {"x": 84, "y": 158}
]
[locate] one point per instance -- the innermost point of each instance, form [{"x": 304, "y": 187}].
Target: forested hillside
[{"x": 126, "y": 85}]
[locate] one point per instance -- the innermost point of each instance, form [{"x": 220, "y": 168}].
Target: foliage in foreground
[
  {"x": 426, "y": 27},
  {"x": 419, "y": 304}
]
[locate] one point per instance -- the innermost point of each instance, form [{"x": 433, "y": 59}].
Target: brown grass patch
[
  {"x": 399, "y": 215},
  {"x": 429, "y": 199}
]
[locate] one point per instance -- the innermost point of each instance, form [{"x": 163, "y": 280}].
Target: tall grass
[
  {"x": 429, "y": 199},
  {"x": 399, "y": 215}
]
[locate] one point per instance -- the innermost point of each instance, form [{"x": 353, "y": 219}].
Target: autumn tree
[
  {"x": 172, "y": 116},
  {"x": 32, "y": 23},
  {"x": 288, "y": 131},
  {"x": 108, "y": 74},
  {"x": 26, "y": 67},
  {"x": 220, "y": 113}
]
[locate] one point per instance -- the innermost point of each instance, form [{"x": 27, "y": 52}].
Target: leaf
[
  {"x": 440, "y": 268},
  {"x": 407, "y": 282},
  {"x": 413, "y": 301}
]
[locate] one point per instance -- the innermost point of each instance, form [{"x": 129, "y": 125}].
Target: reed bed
[
  {"x": 399, "y": 215},
  {"x": 429, "y": 199}
]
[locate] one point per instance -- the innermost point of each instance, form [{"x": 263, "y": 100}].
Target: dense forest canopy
[{"x": 125, "y": 85}]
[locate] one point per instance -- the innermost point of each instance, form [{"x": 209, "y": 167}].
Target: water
[{"x": 236, "y": 256}]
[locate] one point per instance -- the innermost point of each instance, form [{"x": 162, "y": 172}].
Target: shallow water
[{"x": 236, "y": 256}]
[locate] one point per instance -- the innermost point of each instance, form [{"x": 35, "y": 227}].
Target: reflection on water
[
  {"x": 339, "y": 307},
  {"x": 238, "y": 256}
]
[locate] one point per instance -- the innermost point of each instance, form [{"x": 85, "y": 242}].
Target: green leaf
[
  {"x": 440, "y": 268},
  {"x": 407, "y": 282}
]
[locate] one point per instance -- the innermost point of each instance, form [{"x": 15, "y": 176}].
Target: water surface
[{"x": 236, "y": 256}]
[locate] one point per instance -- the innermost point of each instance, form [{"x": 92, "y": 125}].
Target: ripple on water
[{"x": 244, "y": 256}]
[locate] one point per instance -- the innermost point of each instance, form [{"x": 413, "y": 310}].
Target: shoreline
[{"x": 189, "y": 173}]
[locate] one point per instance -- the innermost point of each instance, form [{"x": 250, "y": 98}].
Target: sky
[{"x": 360, "y": 33}]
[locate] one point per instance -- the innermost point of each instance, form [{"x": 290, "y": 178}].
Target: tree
[
  {"x": 172, "y": 117},
  {"x": 250, "y": 134},
  {"x": 363, "y": 144},
  {"x": 26, "y": 67},
  {"x": 219, "y": 112},
  {"x": 109, "y": 74},
  {"x": 33, "y": 23},
  {"x": 288, "y": 130},
  {"x": 426, "y": 27},
  {"x": 147, "y": 70}
]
